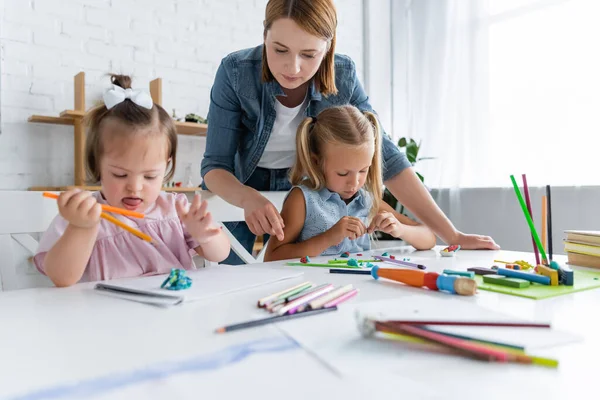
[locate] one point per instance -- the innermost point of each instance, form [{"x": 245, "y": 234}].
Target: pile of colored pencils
[
  {"x": 298, "y": 301},
  {"x": 422, "y": 334}
]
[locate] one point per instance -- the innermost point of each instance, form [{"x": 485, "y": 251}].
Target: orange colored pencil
[
  {"x": 105, "y": 207},
  {"x": 544, "y": 222},
  {"x": 129, "y": 229}
]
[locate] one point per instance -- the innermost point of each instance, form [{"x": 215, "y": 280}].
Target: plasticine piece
[
  {"x": 504, "y": 281},
  {"x": 565, "y": 275},
  {"x": 345, "y": 255},
  {"x": 392, "y": 257},
  {"x": 385, "y": 254},
  {"x": 554, "y": 265},
  {"x": 482, "y": 271},
  {"x": 450, "y": 251},
  {"x": 369, "y": 265},
  {"x": 359, "y": 254},
  {"x": 352, "y": 262},
  {"x": 549, "y": 272},
  {"x": 177, "y": 280},
  {"x": 467, "y": 274},
  {"x": 305, "y": 260}
]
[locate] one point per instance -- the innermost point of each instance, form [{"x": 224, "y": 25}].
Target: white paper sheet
[
  {"x": 336, "y": 340},
  {"x": 206, "y": 283}
]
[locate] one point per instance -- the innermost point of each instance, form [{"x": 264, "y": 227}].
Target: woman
[{"x": 258, "y": 99}]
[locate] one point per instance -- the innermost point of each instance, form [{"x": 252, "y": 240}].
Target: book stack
[{"x": 583, "y": 248}]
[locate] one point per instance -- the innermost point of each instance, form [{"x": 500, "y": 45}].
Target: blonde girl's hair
[
  {"x": 338, "y": 125},
  {"x": 318, "y": 18},
  {"x": 129, "y": 114}
]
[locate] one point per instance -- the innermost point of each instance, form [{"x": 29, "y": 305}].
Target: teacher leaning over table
[{"x": 259, "y": 97}]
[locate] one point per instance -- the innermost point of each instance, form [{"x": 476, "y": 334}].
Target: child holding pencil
[
  {"x": 336, "y": 199},
  {"x": 131, "y": 149}
]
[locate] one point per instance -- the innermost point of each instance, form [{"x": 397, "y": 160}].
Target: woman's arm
[
  {"x": 404, "y": 184},
  {"x": 410, "y": 191},
  {"x": 225, "y": 130},
  {"x": 294, "y": 214}
]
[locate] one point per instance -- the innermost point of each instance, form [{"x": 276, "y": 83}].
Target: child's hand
[
  {"x": 79, "y": 208},
  {"x": 386, "y": 222},
  {"x": 347, "y": 227},
  {"x": 197, "y": 220}
]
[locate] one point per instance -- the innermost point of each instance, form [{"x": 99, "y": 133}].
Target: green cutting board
[{"x": 584, "y": 280}]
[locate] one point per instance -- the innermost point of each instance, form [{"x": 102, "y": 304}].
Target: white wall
[
  {"x": 44, "y": 43},
  {"x": 496, "y": 212}
]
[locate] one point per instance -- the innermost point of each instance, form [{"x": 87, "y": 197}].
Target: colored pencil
[
  {"x": 544, "y": 223},
  {"x": 129, "y": 229},
  {"x": 472, "y": 323},
  {"x": 528, "y": 218},
  {"x": 413, "y": 340},
  {"x": 292, "y": 307},
  {"x": 477, "y": 340},
  {"x": 549, "y": 198},
  {"x": 285, "y": 298},
  {"x": 528, "y": 202},
  {"x": 334, "y": 294},
  {"x": 299, "y": 264},
  {"x": 341, "y": 299},
  {"x": 105, "y": 207},
  {"x": 350, "y": 271},
  {"x": 345, "y": 261},
  {"x": 400, "y": 262},
  {"x": 274, "y": 319},
  {"x": 474, "y": 350},
  {"x": 264, "y": 300}
]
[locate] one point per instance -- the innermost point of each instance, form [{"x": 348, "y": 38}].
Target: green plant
[{"x": 411, "y": 149}]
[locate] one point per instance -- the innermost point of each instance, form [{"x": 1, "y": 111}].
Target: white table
[{"x": 72, "y": 343}]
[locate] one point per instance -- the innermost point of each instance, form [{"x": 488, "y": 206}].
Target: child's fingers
[
  {"x": 181, "y": 209},
  {"x": 65, "y": 197},
  {"x": 95, "y": 211},
  {"x": 200, "y": 211}
]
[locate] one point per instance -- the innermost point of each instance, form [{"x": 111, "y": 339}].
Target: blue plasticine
[
  {"x": 446, "y": 283},
  {"x": 565, "y": 275},
  {"x": 353, "y": 262},
  {"x": 554, "y": 265},
  {"x": 544, "y": 280}
]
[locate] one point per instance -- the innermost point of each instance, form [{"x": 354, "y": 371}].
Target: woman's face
[{"x": 293, "y": 55}]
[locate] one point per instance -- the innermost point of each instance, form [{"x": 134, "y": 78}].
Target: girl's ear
[{"x": 315, "y": 160}]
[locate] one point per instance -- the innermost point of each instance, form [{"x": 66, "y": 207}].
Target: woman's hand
[{"x": 262, "y": 216}]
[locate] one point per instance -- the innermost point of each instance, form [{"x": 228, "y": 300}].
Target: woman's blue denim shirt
[{"x": 242, "y": 113}]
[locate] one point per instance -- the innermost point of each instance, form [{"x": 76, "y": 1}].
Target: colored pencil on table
[
  {"x": 350, "y": 271},
  {"x": 473, "y": 350},
  {"x": 270, "y": 320},
  {"x": 105, "y": 207},
  {"x": 528, "y": 202},
  {"x": 264, "y": 300},
  {"x": 549, "y": 199},
  {"x": 528, "y": 218},
  {"x": 345, "y": 261},
  {"x": 341, "y": 299},
  {"x": 129, "y": 229},
  {"x": 334, "y": 294},
  {"x": 300, "y": 264},
  {"x": 292, "y": 307},
  {"x": 400, "y": 262},
  {"x": 472, "y": 323},
  {"x": 544, "y": 223}
]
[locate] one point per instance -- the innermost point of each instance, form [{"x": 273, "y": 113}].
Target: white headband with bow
[{"x": 117, "y": 95}]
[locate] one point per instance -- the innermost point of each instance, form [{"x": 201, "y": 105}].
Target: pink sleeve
[
  {"x": 49, "y": 239},
  {"x": 191, "y": 242}
]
